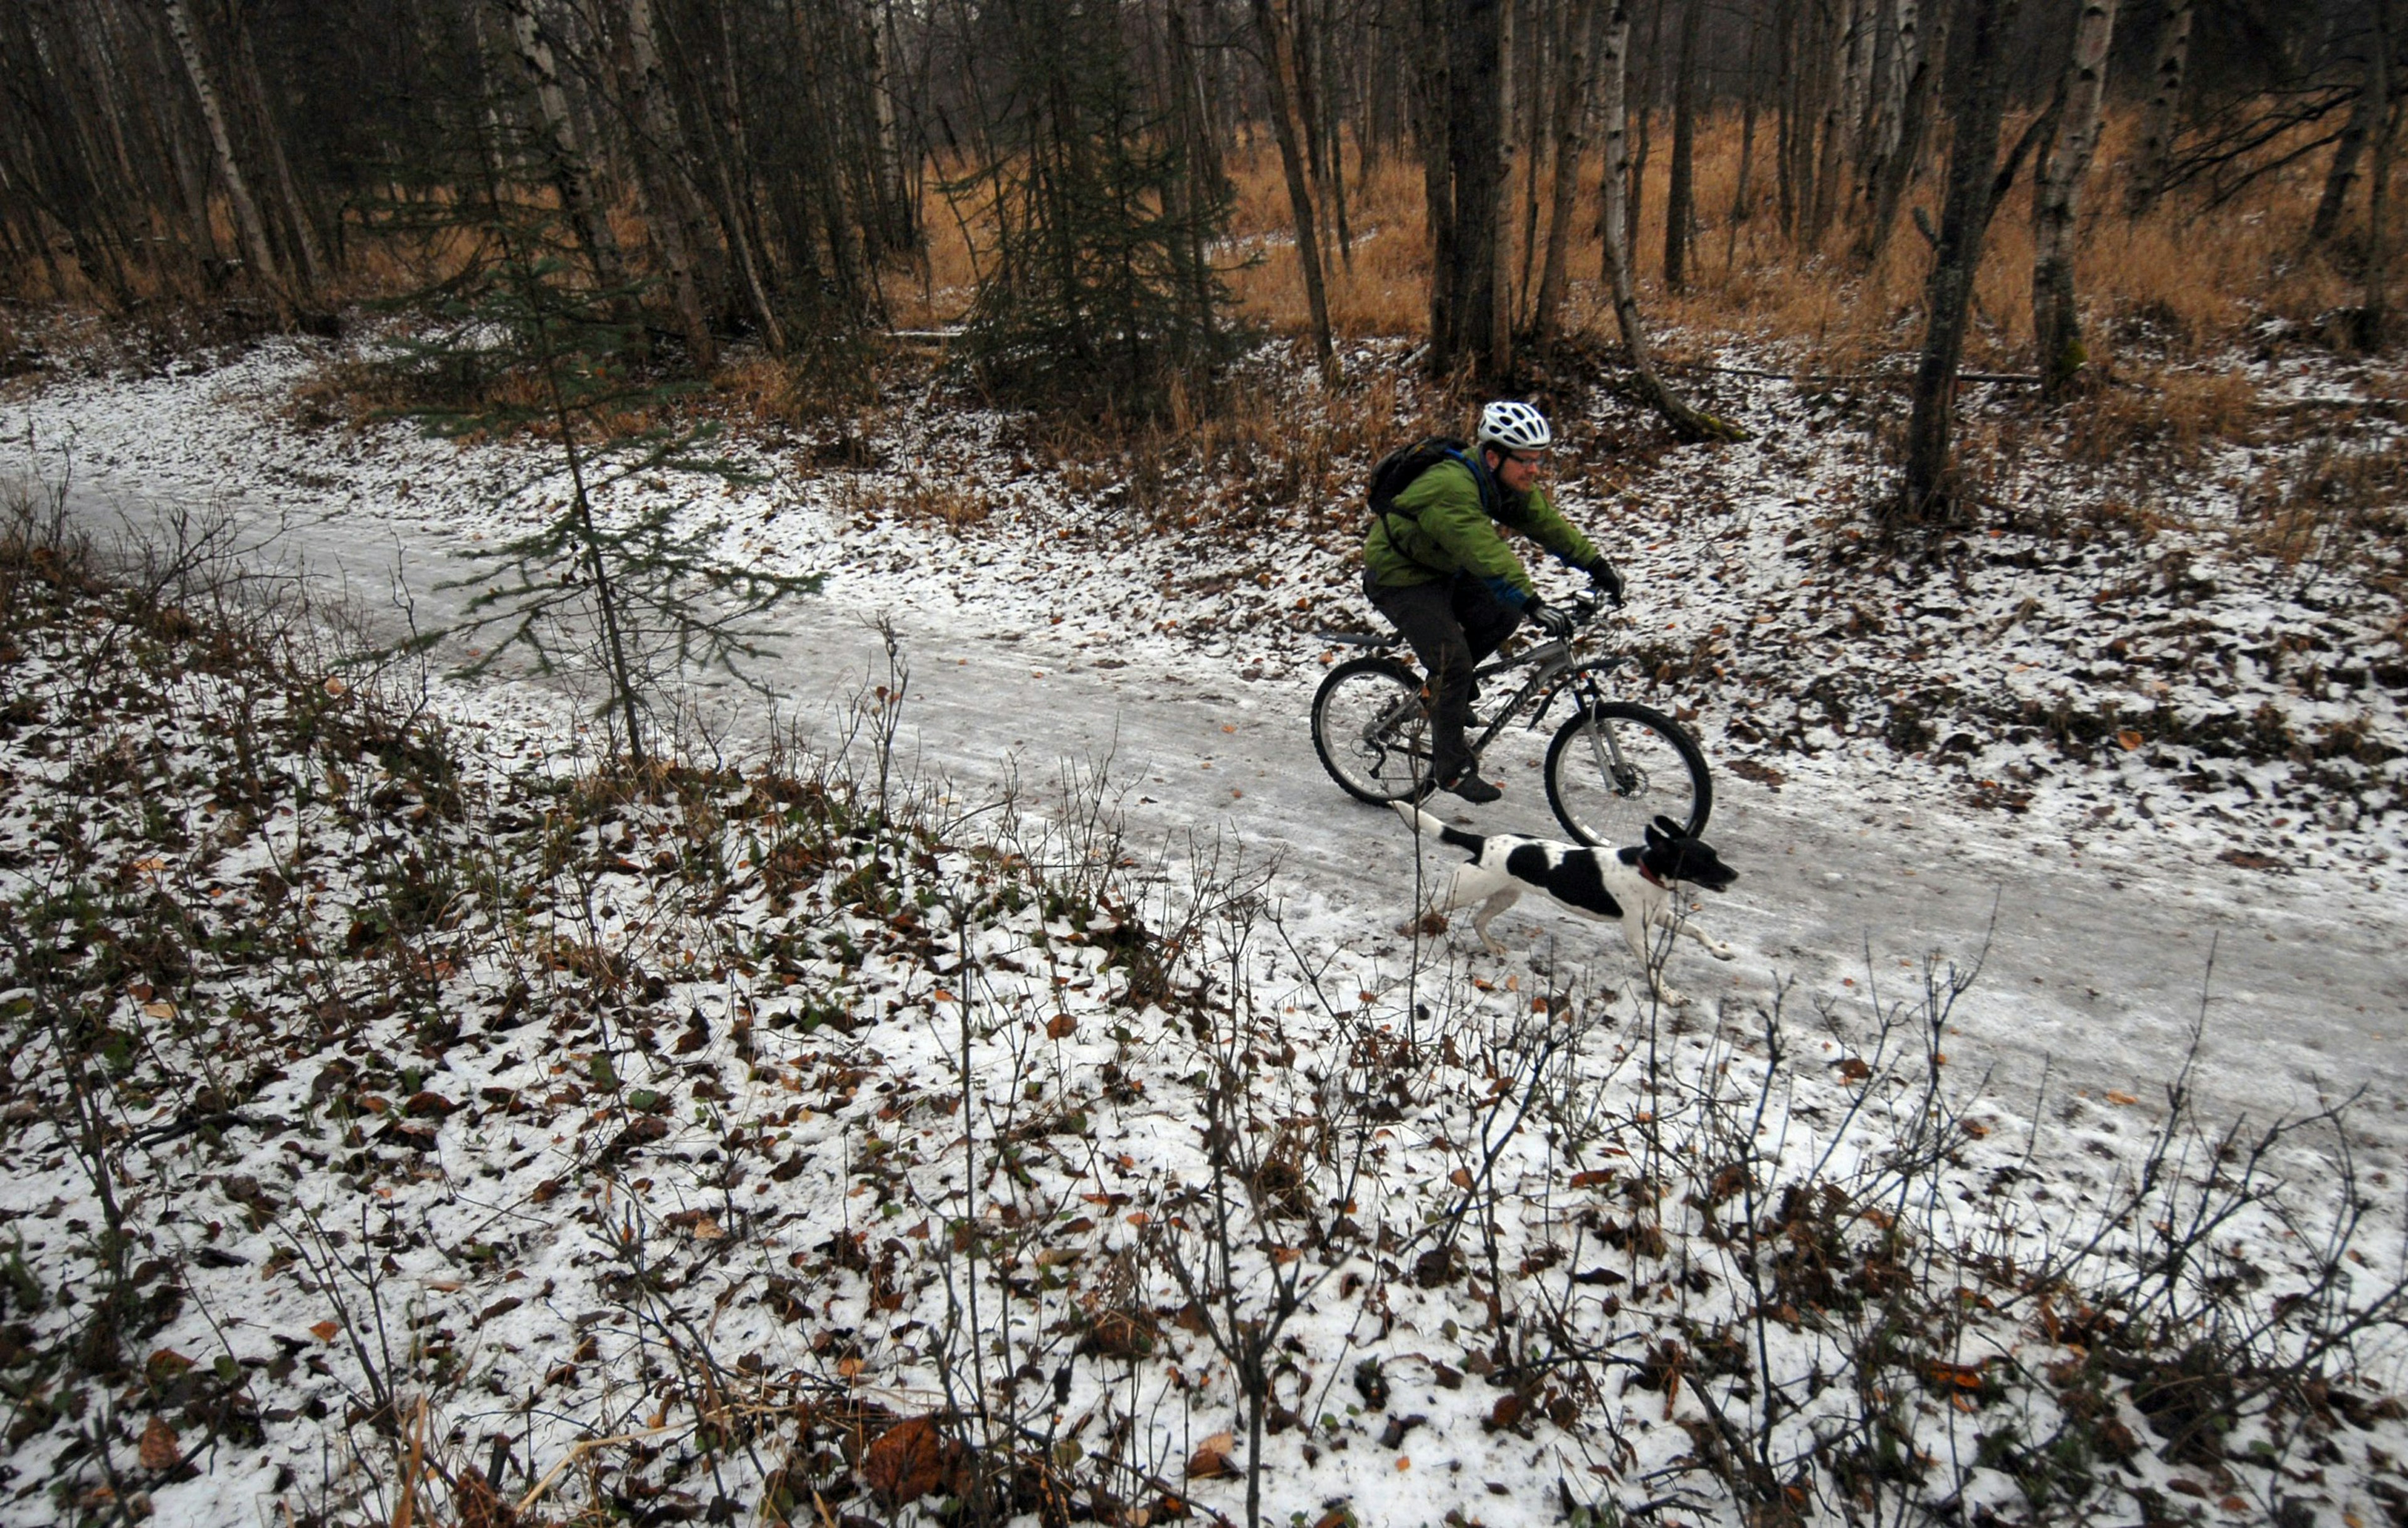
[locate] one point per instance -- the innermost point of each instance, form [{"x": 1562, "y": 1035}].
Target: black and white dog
[{"x": 1634, "y": 885}]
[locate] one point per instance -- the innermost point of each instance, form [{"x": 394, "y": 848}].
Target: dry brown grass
[
  {"x": 2168, "y": 412},
  {"x": 1270, "y": 444},
  {"x": 377, "y": 266},
  {"x": 2318, "y": 505},
  {"x": 2179, "y": 286},
  {"x": 908, "y": 495}
]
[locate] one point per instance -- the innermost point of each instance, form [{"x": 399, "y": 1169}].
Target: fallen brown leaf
[
  {"x": 1211, "y": 1458},
  {"x": 909, "y": 1461},
  {"x": 161, "y": 1450}
]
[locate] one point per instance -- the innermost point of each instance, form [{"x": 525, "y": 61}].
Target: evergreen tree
[
  {"x": 523, "y": 341},
  {"x": 1103, "y": 204}
]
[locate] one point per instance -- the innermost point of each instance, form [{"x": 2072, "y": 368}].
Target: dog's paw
[
  {"x": 1671, "y": 997},
  {"x": 1493, "y": 947},
  {"x": 1722, "y": 952}
]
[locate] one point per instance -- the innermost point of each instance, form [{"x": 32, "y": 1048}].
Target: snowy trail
[{"x": 2095, "y": 965}]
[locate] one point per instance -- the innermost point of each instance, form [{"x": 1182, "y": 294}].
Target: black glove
[
  {"x": 1556, "y": 624},
  {"x": 1608, "y": 583}
]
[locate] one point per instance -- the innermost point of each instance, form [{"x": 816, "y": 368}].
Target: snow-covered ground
[
  {"x": 1888, "y": 783},
  {"x": 1879, "y": 730}
]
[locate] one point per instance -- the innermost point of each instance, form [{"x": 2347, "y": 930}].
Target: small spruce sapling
[{"x": 635, "y": 593}]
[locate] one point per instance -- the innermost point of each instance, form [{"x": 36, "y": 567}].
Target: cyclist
[{"x": 1435, "y": 566}]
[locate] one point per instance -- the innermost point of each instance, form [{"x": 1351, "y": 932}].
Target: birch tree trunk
[
  {"x": 735, "y": 223},
  {"x": 1277, "y": 67},
  {"x": 1571, "y": 145},
  {"x": 1894, "y": 23},
  {"x": 1976, "y": 108},
  {"x": 1680, "y": 198},
  {"x": 271, "y": 138},
  {"x": 157, "y": 84},
  {"x": 1840, "y": 104},
  {"x": 1613, "y": 76},
  {"x": 667, "y": 222},
  {"x": 1613, "y": 211},
  {"x": 2165, "y": 101},
  {"x": 898, "y": 223},
  {"x": 565, "y": 162},
  {"x": 1905, "y": 162},
  {"x": 2057, "y": 323},
  {"x": 248, "y": 224}
]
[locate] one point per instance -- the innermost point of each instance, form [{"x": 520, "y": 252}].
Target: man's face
[{"x": 1518, "y": 469}]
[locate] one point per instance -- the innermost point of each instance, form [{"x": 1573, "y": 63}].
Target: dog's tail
[{"x": 1423, "y": 823}]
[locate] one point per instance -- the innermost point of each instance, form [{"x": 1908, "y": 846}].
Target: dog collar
[{"x": 1653, "y": 879}]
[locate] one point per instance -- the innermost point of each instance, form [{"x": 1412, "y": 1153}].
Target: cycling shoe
[{"x": 1472, "y": 788}]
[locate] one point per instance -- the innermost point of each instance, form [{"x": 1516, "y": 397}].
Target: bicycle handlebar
[{"x": 1584, "y": 606}]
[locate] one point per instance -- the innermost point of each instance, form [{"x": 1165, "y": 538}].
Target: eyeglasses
[{"x": 1524, "y": 458}]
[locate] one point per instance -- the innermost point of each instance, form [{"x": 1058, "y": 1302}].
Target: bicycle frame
[{"x": 1551, "y": 673}]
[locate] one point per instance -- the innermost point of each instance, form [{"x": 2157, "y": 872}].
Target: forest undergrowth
[
  {"x": 2192, "y": 282},
  {"x": 400, "y": 1130}
]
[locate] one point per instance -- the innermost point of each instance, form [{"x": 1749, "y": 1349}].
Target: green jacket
[{"x": 1441, "y": 526}]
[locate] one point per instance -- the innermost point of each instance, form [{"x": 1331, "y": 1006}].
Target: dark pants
[{"x": 1454, "y": 624}]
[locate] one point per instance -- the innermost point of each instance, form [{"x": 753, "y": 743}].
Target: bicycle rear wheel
[
  {"x": 1372, "y": 730},
  {"x": 1616, "y": 767}
]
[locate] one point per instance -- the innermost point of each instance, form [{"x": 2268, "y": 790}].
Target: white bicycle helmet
[{"x": 1508, "y": 426}]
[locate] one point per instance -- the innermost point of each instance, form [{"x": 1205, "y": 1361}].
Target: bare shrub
[
  {"x": 2316, "y": 509},
  {"x": 2163, "y": 418}
]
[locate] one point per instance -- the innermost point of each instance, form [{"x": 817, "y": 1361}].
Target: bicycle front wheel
[
  {"x": 1616, "y": 767},
  {"x": 1372, "y": 730}
]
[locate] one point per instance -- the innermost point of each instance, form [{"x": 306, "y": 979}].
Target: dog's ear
[{"x": 1664, "y": 827}]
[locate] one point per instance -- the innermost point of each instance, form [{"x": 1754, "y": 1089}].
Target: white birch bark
[
  {"x": 2056, "y": 326},
  {"x": 667, "y": 209},
  {"x": 255, "y": 247},
  {"x": 1613, "y": 66},
  {"x": 1857, "y": 78},
  {"x": 314, "y": 269},
  {"x": 564, "y": 155},
  {"x": 1839, "y": 114}
]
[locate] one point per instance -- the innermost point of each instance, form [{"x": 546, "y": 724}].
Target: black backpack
[{"x": 1397, "y": 470}]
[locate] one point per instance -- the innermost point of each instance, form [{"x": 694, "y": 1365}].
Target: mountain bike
[{"x": 1613, "y": 768}]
